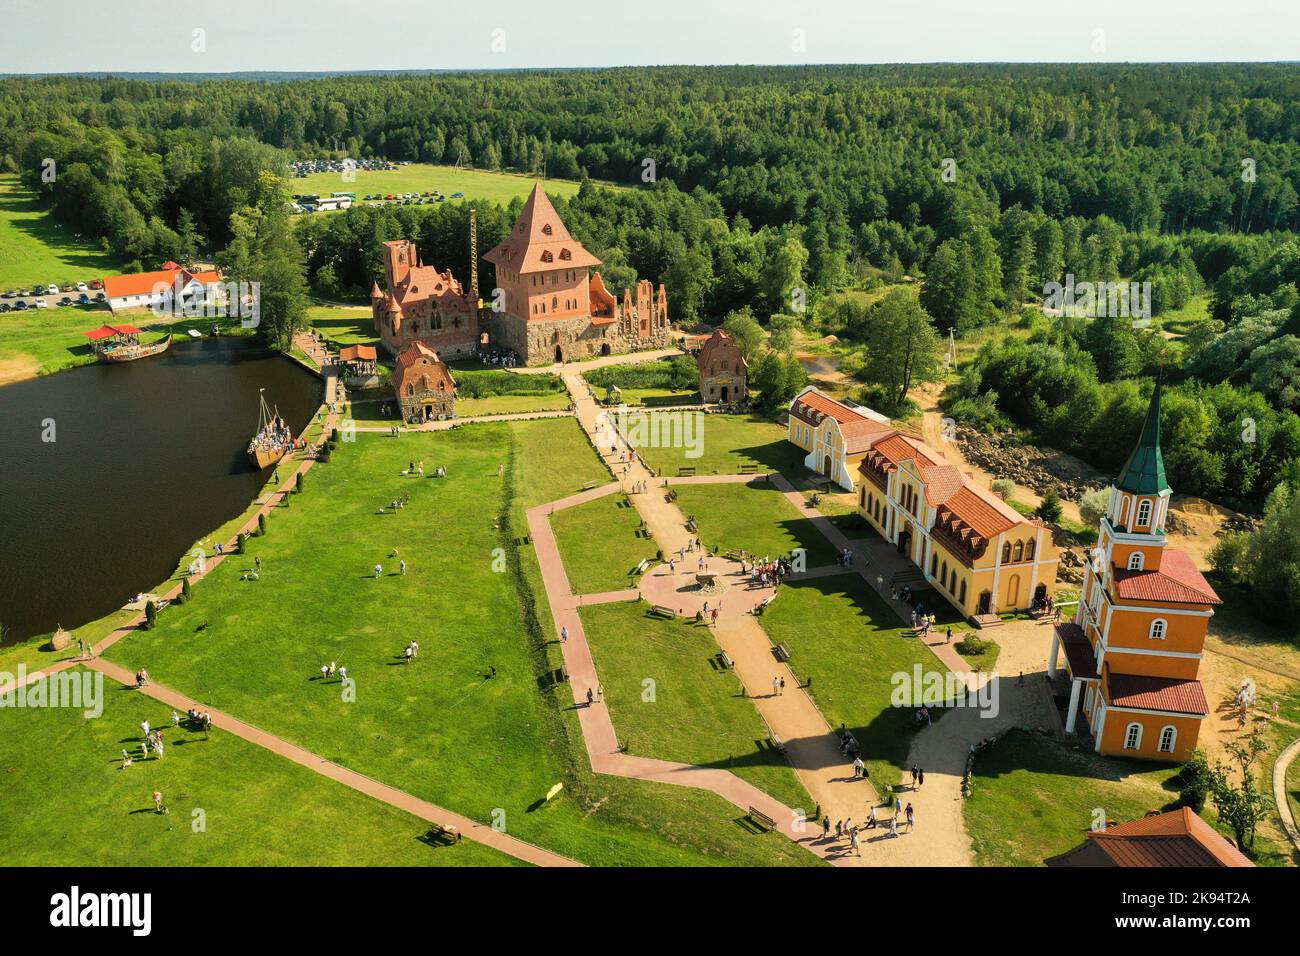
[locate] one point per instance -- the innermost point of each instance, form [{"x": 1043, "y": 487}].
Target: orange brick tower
[{"x": 1134, "y": 648}]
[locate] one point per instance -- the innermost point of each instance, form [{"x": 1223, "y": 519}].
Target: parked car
[
  {"x": 99, "y": 297},
  {"x": 20, "y": 305},
  {"x": 66, "y": 300},
  {"x": 36, "y": 290},
  {"x": 42, "y": 304},
  {"x": 4, "y": 306},
  {"x": 457, "y": 195},
  {"x": 52, "y": 289},
  {"x": 8, "y": 294},
  {"x": 97, "y": 284},
  {"x": 82, "y": 287},
  {"x": 84, "y": 299}
]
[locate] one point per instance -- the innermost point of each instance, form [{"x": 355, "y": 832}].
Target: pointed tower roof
[
  {"x": 540, "y": 242},
  {"x": 1144, "y": 472},
  {"x": 375, "y": 293}
]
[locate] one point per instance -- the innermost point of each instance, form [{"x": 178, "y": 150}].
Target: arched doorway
[
  {"x": 1040, "y": 594},
  {"x": 826, "y": 466},
  {"x": 905, "y": 542},
  {"x": 985, "y": 602},
  {"x": 724, "y": 395},
  {"x": 604, "y": 348},
  {"x": 559, "y": 354}
]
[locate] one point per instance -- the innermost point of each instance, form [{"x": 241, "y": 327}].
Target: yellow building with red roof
[
  {"x": 834, "y": 433},
  {"x": 1133, "y": 651}
]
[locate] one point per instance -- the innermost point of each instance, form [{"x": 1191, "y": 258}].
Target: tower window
[
  {"x": 1144, "y": 513},
  {"x": 1159, "y": 628},
  {"x": 1135, "y": 561}
]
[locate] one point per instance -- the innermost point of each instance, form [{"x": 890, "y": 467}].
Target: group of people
[
  {"x": 764, "y": 571},
  {"x": 412, "y": 651},
  {"x": 274, "y": 436},
  {"x": 847, "y": 557},
  {"x": 1046, "y": 604},
  {"x": 847, "y": 828},
  {"x": 333, "y": 670},
  {"x": 503, "y": 358}
]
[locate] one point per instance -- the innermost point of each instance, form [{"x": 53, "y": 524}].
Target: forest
[{"x": 764, "y": 192}]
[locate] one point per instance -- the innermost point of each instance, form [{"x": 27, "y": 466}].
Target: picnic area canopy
[
  {"x": 358, "y": 353},
  {"x": 108, "y": 331}
]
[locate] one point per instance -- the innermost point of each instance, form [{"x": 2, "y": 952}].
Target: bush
[
  {"x": 150, "y": 615},
  {"x": 297, "y": 483},
  {"x": 1004, "y": 488},
  {"x": 261, "y": 525},
  {"x": 972, "y": 646},
  {"x": 241, "y": 542},
  {"x": 185, "y": 591},
  {"x": 1094, "y": 505},
  {"x": 1228, "y": 556},
  {"x": 1194, "y": 782}
]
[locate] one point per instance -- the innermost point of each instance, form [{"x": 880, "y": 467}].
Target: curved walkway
[{"x": 1279, "y": 790}]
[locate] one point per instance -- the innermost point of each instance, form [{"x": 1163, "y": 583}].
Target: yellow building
[
  {"x": 979, "y": 553},
  {"x": 835, "y": 434},
  {"x": 1133, "y": 651}
]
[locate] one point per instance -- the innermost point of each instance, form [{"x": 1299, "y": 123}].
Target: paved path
[
  {"x": 469, "y": 829},
  {"x": 1279, "y": 790}
]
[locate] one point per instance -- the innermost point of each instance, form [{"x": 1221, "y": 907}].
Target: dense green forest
[{"x": 763, "y": 191}]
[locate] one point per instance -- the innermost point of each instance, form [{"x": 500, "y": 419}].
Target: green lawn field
[
  {"x": 1034, "y": 797},
  {"x": 34, "y": 249},
  {"x": 693, "y": 710},
  {"x": 474, "y": 724},
  {"x": 845, "y": 639},
  {"x": 70, "y": 802},
  {"x": 754, "y": 517},
  {"x": 726, "y": 443},
  {"x": 602, "y": 543},
  {"x": 423, "y": 177}
]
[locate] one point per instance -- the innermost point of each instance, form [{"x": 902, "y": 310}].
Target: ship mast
[{"x": 473, "y": 256}]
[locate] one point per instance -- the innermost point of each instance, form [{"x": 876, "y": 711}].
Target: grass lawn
[
  {"x": 486, "y": 746},
  {"x": 69, "y": 802},
  {"x": 343, "y": 326},
  {"x": 650, "y": 397},
  {"x": 694, "y": 711},
  {"x": 845, "y": 639},
  {"x": 753, "y": 516},
  {"x": 1034, "y": 797},
  {"x": 514, "y": 404},
  {"x": 423, "y": 177},
  {"x": 1179, "y": 321},
  {"x": 35, "y": 249},
  {"x": 727, "y": 442},
  {"x": 602, "y": 543}
]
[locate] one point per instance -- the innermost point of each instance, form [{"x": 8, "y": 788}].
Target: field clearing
[
  {"x": 36, "y": 249},
  {"x": 423, "y": 177}
]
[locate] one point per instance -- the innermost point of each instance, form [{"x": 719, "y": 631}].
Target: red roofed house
[
  {"x": 975, "y": 550},
  {"x": 724, "y": 373},
  {"x": 425, "y": 388},
  {"x": 553, "y": 308},
  {"x": 190, "y": 289},
  {"x": 422, "y": 305},
  {"x": 835, "y": 434},
  {"x": 1134, "y": 648},
  {"x": 1177, "y": 838}
]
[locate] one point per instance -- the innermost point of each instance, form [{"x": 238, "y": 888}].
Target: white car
[
  {"x": 82, "y": 287},
  {"x": 41, "y": 304},
  {"x": 52, "y": 289}
]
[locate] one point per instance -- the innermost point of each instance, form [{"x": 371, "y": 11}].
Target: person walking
[
  {"x": 564, "y": 633},
  {"x": 776, "y": 686},
  {"x": 379, "y": 569},
  {"x": 410, "y": 654},
  {"x": 914, "y": 772},
  {"x": 920, "y": 779},
  {"x": 401, "y": 565},
  {"x": 591, "y": 698},
  {"x": 158, "y": 805},
  {"x": 826, "y": 821},
  {"x": 853, "y": 842},
  {"x": 858, "y": 766},
  {"x": 911, "y": 819},
  {"x": 871, "y": 817}
]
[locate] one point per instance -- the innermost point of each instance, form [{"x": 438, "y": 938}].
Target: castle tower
[{"x": 1133, "y": 650}]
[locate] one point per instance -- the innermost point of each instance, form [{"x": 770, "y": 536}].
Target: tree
[
  {"x": 1094, "y": 505},
  {"x": 782, "y": 329},
  {"x": 1240, "y": 806},
  {"x": 778, "y": 379},
  {"x": 902, "y": 347},
  {"x": 1049, "y": 509},
  {"x": 1004, "y": 488},
  {"x": 783, "y": 272},
  {"x": 150, "y": 615},
  {"x": 744, "y": 328}
]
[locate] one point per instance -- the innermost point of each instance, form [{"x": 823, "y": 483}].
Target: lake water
[{"x": 148, "y": 457}]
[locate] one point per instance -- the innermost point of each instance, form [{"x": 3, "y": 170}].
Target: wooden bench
[
  {"x": 687, "y": 472},
  {"x": 672, "y": 494},
  {"x": 782, "y": 652},
  {"x": 440, "y": 830},
  {"x": 777, "y": 742},
  {"x": 640, "y": 568},
  {"x": 749, "y": 469},
  {"x": 662, "y": 611},
  {"x": 727, "y": 662},
  {"x": 691, "y": 526},
  {"x": 590, "y": 485},
  {"x": 759, "y": 817}
]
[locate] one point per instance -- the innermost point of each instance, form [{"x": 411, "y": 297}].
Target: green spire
[{"x": 1144, "y": 472}]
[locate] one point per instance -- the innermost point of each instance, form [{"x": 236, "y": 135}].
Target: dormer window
[
  {"x": 565, "y": 255},
  {"x": 546, "y": 229},
  {"x": 546, "y": 256}
]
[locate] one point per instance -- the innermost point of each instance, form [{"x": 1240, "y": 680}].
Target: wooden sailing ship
[{"x": 272, "y": 440}]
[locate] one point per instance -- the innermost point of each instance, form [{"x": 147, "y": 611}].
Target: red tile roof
[
  {"x": 540, "y": 233},
  {"x": 1176, "y": 838},
  {"x": 812, "y": 406},
  {"x": 354, "y": 353},
  {"x": 144, "y": 283},
  {"x": 1156, "y": 693},
  {"x": 108, "y": 331},
  {"x": 858, "y": 435},
  {"x": 1177, "y": 581}
]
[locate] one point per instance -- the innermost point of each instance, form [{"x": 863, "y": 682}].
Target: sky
[{"x": 218, "y": 36}]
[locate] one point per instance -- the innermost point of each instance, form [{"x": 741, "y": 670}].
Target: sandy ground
[{"x": 18, "y": 369}]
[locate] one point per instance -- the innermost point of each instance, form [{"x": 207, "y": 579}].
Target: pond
[{"x": 145, "y": 458}]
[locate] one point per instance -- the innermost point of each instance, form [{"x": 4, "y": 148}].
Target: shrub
[
  {"x": 1194, "y": 782},
  {"x": 297, "y": 483},
  {"x": 1094, "y": 505},
  {"x": 972, "y": 646},
  {"x": 150, "y": 615},
  {"x": 261, "y": 525},
  {"x": 1004, "y": 488},
  {"x": 1049, "y": 509},
  {"x": 185, "y": 591},
  {"x": 240, "y": 543}
]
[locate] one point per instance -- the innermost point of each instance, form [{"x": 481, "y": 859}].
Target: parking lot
[{"x": 18, "y": 300}]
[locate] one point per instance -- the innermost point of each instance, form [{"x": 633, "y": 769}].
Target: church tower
[{"x": 1133, "y": 650}]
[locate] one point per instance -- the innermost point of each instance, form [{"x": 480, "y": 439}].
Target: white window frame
[
  {"x": 1158, "y": 625},
  {"x": 1144, "y": 510},
  {"x": 1172, "y": 731},
  {"x": 1135, "y": 561},
  {"x": 1128, "y": 735}
]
